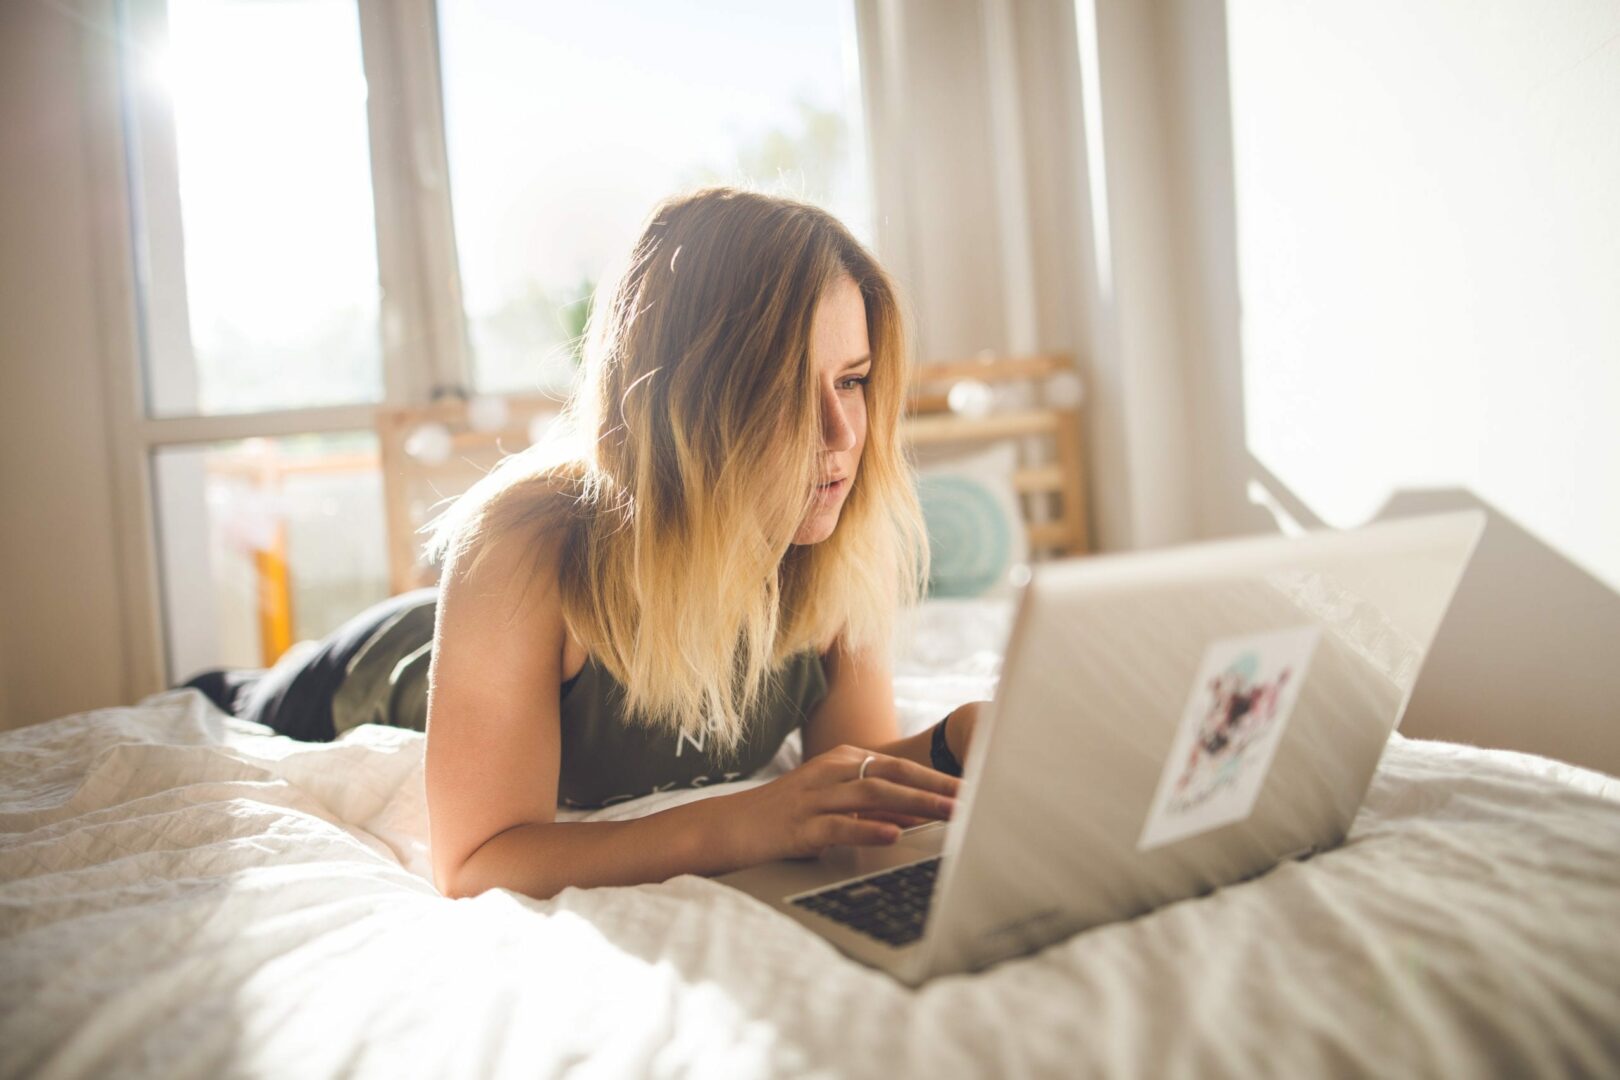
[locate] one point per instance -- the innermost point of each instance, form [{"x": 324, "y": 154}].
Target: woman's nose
[{"x": 837, "y": 433}]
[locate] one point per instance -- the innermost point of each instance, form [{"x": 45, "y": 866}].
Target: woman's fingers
[
  {"x": 911, "y": 774},
  {"x": 843, "y": 829},
  {"x": 905, "y": 821},
  {"x": 847, "y": 808},
  {"x": 875, "y": 794}
]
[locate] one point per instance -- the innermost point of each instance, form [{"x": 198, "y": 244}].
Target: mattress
[{"x": 187, "y": 894}]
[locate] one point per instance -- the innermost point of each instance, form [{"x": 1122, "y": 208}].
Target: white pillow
[{"x": 976, "y": 533}]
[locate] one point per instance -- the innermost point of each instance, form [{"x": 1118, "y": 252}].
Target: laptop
[{"x": 1166, "y": 723}]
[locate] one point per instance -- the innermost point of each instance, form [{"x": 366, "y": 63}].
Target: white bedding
[{"x": 186, "y": 894}]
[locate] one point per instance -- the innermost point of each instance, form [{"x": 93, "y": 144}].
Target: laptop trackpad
[{"x": 922, "y": 842}]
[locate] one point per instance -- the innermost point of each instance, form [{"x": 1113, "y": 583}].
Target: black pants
[{"x": 296, "y": 700}]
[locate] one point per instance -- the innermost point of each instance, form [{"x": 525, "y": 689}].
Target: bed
[{"x": 183, "y": 893}]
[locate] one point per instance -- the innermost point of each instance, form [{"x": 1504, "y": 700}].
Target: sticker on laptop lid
[{"x": 1230, "y": 729}]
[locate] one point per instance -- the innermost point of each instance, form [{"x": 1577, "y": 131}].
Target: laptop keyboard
[{"x": 891, "y": 906}]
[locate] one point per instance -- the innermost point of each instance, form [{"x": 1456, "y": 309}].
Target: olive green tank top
[{"x": 605, "y": 758}]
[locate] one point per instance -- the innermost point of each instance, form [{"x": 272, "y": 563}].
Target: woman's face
[{"x": 841, "y": 357}]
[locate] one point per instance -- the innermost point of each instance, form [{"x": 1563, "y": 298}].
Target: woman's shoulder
[
  {"x": 533, "y": 494},
  {"x": 837, "y": 655},
  {"x": 505, "y": 571},
  {"x": 511, "y": 511},
  {"x": 500, "y": 605},
  {"x": 829, "y": 649}
]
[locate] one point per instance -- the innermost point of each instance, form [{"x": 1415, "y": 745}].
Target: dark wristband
[{"x": 939, "y": 751}]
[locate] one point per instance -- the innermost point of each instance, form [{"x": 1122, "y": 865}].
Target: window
[
  {"x": 266, "y": 542},
  {"x": 260, "y": 230},
  {"x": 336, "y": 204},
  {"x": 565, "y": 123}
]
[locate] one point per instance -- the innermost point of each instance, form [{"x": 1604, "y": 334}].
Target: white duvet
[{"x": 186, "y": 894}]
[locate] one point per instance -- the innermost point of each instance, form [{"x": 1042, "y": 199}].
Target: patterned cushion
[{"x": 976, "y": 532}]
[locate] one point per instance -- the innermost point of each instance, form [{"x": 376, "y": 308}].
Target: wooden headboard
[{"x": 1015, "y": 396}]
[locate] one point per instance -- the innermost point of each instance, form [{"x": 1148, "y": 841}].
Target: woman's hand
[{"x": 825, "y": 802}]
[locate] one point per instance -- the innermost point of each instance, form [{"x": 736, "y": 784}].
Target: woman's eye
[{"x": 854, "y": 381}]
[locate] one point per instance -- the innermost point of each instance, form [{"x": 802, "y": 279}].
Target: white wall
[
  {"x": 1401, "y": 292},
  {"x": 61, "y": 647},
  {"x": 1430, "y": 256}
]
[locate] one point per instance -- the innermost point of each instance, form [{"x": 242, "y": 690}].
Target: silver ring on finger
[{"x": 869, "y": 759}]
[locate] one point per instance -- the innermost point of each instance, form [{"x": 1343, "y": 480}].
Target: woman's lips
[{"x": 832, "y": 489}]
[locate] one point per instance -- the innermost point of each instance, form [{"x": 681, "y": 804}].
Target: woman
[{"x": 715, "y": 559}]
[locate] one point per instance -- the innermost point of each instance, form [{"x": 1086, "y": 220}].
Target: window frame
[{"x": 421, "y": 325}]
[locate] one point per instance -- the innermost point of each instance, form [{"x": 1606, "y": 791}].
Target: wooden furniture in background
[
  {"x": 415, "y": 490},
  {"x": 260, "y": 464},
  {"x": 1060, "y": 526}
]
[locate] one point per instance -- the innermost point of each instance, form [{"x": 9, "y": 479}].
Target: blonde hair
[{"x": 691, "y": 449}]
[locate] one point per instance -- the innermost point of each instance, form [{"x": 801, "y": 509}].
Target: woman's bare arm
[
  {"x": 794, "y": 816},
  {"x": 493, "y": 730},
  {"x": 541, "y": 860},
  {"x": 494, "y": 751},
  {"x": 859, "y": 710},
  {"x": 859, "y": 706},
  {"x": 494, "y": 755}
]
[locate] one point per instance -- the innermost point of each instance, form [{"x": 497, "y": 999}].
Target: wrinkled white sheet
[{"x": 186, "y": 894}]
